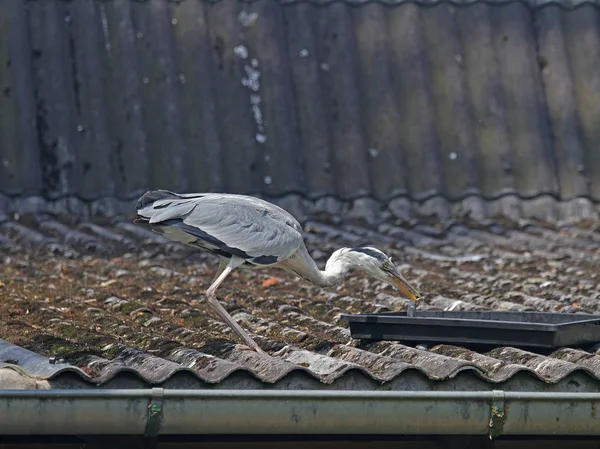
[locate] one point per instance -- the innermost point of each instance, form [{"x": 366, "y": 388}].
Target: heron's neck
[{"x": 333, "y": 274}]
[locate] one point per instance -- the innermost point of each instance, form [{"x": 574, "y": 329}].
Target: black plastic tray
[{"x": 525, "y": 329}]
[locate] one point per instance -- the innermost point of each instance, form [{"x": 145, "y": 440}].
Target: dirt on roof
[{"x": 89, "y": 292}]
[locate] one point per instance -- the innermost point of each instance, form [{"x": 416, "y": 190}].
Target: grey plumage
[
  {"x": 247, "y": 231},
  {"x": 225, "y": 224}
]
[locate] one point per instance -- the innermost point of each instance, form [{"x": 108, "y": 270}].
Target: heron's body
[{"x": 245, "y": 231}]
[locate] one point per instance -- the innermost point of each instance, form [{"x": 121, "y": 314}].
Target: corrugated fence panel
[
  {"x": 487, "y": 100},
  {"x": 582, "y": 27},
  {"x": 160, "y": 91},
  {"x": 54, "y": 85},
  {"x": 337, "y": 51},
  {"x": 453, "y": 113},
  {"x": 122, "y": 80},
  {"x": 112, "y": 97},
  {"x": 528, "y": 124},
  {"x": 309, "y": 92},
  {"x": 20, "y": 170},
  {"x": 279, "y": 156},
  {"x": 190, "y": 28},
  {"x": 554, "y": 62},
  {"x": 92, "y": 170},
  {"x": 385, "y": 147},
  {"x": 411, "y": 86},
  {"x": 236, "y": 79}
]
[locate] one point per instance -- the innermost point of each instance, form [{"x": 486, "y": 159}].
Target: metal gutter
[{"x": 171, "y": 412}]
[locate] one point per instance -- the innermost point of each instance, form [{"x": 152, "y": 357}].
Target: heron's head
[{"x": 380, "y": 266}]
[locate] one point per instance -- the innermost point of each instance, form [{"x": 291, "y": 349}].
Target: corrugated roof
[
  {"x": 114, "y": 301},
  {"x": 110, "y": 98}
]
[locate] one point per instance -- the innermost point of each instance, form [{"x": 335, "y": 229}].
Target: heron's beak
[{"x": 398, "y": 281}]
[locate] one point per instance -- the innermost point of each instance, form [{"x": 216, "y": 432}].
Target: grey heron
[{"x": 245, "y": 231}]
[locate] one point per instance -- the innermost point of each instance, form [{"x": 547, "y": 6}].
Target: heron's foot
[
  {"x": 256, "y": 348},
  {"x": 249, "y": 341}
]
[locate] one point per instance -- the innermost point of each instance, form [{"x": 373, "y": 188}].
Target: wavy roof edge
[
  {"x": 543, "y": 207},
  {"x": 42, "y": 368}
]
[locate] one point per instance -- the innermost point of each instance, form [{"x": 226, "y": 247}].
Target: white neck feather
[{"x": 335, "y": 271}]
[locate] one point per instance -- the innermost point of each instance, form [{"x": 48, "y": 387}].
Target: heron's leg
[
  {"x": 220, "y": 310},
  {"x": 222, "y": 265}
]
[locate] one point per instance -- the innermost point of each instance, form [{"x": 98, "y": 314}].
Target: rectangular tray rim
[
  {"x": 450, "y": 340},
  {"x": 464, "y": 322}
]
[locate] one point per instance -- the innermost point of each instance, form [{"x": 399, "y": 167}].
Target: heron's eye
[{"x": 387, "y": 266}]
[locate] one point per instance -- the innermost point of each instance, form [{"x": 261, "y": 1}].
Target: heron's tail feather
[
  {"x": 161, "y": 205},
  {"x": 154, "y": 195}
]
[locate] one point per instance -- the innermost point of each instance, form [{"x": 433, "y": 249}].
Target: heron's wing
[{"x": 243, "y": 226}]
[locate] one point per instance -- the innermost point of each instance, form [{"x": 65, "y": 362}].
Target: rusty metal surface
[
  {"x": 105, "y": 99},
  {"x": 114, "y": 300}
]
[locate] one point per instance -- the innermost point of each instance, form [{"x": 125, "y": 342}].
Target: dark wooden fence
[{"x": 108, "y": 98}]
